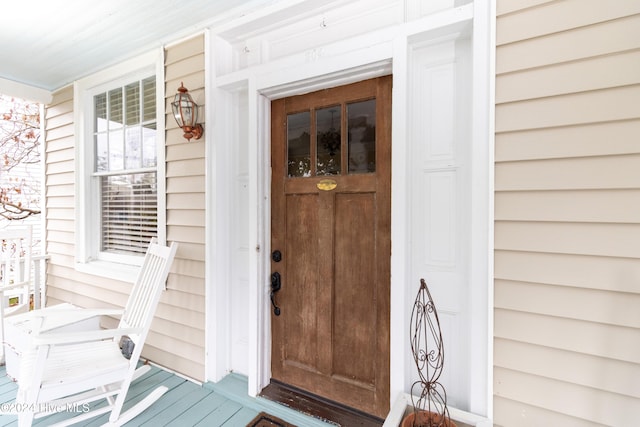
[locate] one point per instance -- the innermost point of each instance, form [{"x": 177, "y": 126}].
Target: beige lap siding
[{"x": 567, "y": 213}]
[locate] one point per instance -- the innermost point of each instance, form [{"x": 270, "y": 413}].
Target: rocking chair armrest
[
  {"x": 52, "y": 318},
  {"x": 75, "y": 313},
  {"x": 59, "y": 338}
]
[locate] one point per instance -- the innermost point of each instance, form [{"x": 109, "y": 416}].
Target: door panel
[
  {"x": 354, "y": 255},
  {"x": 302, "y": 235},
  {"x": 331, "y": 219}
]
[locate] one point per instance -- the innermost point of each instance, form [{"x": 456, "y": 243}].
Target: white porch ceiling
[{"x": 47, "y": 44}]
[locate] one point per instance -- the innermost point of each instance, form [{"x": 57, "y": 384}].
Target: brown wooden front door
[{"x": 330, "y": 220}]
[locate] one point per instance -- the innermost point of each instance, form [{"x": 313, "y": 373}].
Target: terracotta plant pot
[{"x": 425, "y": 419}]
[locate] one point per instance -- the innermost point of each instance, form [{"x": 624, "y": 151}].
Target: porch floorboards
[{"x": 185, "y": 404}]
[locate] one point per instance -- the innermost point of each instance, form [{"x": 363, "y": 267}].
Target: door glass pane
[
  {"x": 299, "y": 144},
  {"x": 328, "y": 140},
  {"x": 362, "y": 136}
]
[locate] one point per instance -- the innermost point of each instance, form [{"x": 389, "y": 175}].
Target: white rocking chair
[{"x": 71, "y": 370}]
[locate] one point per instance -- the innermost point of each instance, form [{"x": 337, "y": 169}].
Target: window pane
[
  {"x": 129, "y": 212},
  {"x": 149, "y": 151},
  {"x": 362, "y": 136},
  {"x": 149, "y": 102},
  {"x": 132, "y": 92},
  {"x": 116, "y": 150},
  {"x": 102, "y": 152},
  {"x": 100, "y": 110},
  {"x": 328, "y": 140},
  {"x": 299, "y": 144},
  {"x": 132, "y": 147},
  {"x": 115, "y": 108}
]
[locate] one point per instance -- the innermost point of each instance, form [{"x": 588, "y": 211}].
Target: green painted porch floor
[{"x": 186, "y": 404}]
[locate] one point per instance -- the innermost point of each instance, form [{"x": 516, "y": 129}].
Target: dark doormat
[{"x": 266, "y": 420}]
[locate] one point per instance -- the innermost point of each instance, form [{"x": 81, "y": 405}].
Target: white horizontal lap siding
[
  {"x": 178, "y": 340},
  {"x": 567, "y": 213}
]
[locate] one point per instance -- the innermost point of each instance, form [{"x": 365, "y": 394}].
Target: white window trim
[{"x": 123, "y": 268}]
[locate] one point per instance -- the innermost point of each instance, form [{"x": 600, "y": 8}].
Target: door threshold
[{"x": 318, "y": 407}]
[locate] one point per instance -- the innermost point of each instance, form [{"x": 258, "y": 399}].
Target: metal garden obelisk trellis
[{"x": 428, "y": 353}]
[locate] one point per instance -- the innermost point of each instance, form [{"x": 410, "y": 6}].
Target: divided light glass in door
[{"x": 316, "y": 137}]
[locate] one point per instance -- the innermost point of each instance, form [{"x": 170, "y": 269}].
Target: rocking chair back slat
[{"x": 146, "y": 292}]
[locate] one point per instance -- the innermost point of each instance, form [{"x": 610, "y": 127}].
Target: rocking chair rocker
[{"x": 74, "y": 369}]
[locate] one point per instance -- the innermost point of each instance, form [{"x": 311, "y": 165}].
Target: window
[
  {"x": 120, "y": 128},
  {"x": 125, "y": 164}
]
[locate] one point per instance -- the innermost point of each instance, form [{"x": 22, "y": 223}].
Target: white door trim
[{"x": 273, "y": 80}]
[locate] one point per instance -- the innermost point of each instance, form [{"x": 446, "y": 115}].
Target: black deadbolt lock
[{"x": 276, "y": 256}]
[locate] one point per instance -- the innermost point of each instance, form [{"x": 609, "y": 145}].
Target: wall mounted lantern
[{"x": 186, "y": 113}]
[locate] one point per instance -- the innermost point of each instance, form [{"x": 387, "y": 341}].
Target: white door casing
[
  {"x": 439, "y": 197},
  {"x": 446, "y": 261}
]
